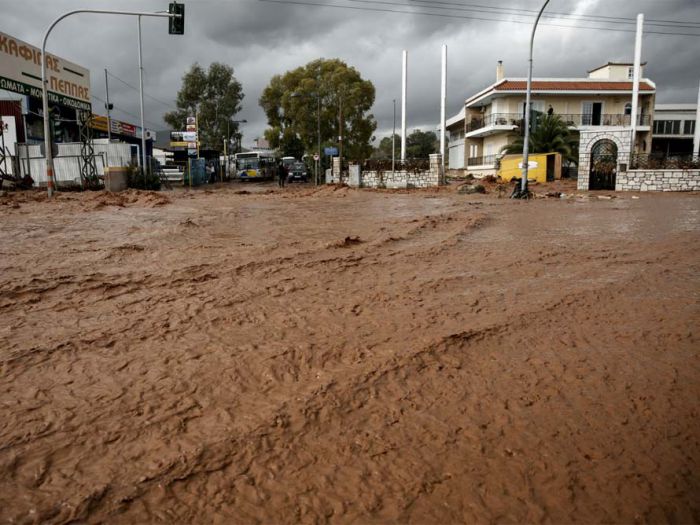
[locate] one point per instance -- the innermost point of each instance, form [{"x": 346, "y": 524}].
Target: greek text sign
[{"x": 20, "y": 71}]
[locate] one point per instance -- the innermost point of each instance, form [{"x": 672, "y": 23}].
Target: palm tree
[{"x": 550, "y": 135}]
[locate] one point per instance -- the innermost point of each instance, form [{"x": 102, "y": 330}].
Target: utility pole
[
  {"x": 393, "y": 143},
  {"x": 635, "y": 82},
  {"x": 526, "y": 142},
  {"x": 404, "y": 75},
  {"x": 340, "y": 138},
  {"x": 318, "y": 132},
  {"x": 696, "y": 136},
  {"x": 108, "y": 107},
  {"x": 143, "y": 127},
  {"x": 443, "y": 102}
]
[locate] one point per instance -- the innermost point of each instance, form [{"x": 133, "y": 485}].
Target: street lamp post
[
  {"x": 526, "y": 142},
  {"x": 44, "y": 90}
]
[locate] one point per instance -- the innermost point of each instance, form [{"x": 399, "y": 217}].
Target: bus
[
  {"x": 288, "y": 162},
  {"x": 255, "y": 165}
]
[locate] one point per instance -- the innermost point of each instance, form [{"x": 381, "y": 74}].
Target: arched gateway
[{"x": 603, "y": 166}]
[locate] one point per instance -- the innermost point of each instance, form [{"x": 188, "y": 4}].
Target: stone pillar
[
  {"x": 337, "y": 166},
  {"x": 436, "y": 171},
  {"x": 354, "y": 176}
]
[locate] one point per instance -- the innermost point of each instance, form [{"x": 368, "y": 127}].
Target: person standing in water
[{"x": 281, "y": 175}]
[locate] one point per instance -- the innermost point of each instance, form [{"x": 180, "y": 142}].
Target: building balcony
[
  {"x": 498, "y": 122},
  {"x": 606, "y": 119},
  {"x": 486, "y": 161},
  {"x": 493, "y": 123}
]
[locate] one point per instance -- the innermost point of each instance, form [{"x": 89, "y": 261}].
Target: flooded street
[{"x": 255, "y": 355}]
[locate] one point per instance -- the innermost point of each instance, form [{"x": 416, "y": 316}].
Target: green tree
[
  {"x": 290, "y": 102},
  {"x": 214, "y": 96},
  {"x": 383, "y": 150},
  {"x": 420, "y": 144},
  {"x": 550, "y": 134}
]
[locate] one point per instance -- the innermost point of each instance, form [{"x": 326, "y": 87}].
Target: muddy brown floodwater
[{"x": 249, "y": 355}]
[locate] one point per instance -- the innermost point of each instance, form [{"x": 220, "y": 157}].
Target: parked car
[{"x": 298, "y": 173}]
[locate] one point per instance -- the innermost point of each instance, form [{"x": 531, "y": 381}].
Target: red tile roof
[{"x": 571, "y": 85}]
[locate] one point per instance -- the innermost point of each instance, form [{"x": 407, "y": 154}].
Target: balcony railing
[
  {"x": 606, "y": 119},
  {"x": 494, "y": 119},
  {"x": 642, "y": 161},
  {"x": 571, "y": 119},
  {"x": 486, "y": 160}
]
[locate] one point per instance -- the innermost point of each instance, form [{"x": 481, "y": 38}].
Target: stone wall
[
  {"x": 587, "y": 139},
  {"x": 400, "y": 178},
  {"x": 658, "y": 180}
]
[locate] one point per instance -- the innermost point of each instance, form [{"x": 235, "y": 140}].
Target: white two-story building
[{"x": 598, "y": 108}]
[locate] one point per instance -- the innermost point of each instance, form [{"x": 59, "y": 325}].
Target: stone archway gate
[{"x": 588, "y": 139}]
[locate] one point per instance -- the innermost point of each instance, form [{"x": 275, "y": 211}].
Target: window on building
[
  {"x": 689, "y": 127},
  {"x": 667, "y": 127},
  {"x": 630, "y": 73},
  {"x": 628, "y": 108}
]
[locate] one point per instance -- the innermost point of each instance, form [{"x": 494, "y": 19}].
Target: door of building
[{"x": 592, "y": 113}]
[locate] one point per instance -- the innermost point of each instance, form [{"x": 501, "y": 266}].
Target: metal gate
[{"x": 603, "y": 165}]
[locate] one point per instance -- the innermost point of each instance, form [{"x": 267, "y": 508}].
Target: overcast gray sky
[{"x": 260, "y": 39}]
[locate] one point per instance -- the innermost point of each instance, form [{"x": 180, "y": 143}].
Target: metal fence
[
  {"x": 643, "y": 161},
  {"x": 68, "y": 162}
]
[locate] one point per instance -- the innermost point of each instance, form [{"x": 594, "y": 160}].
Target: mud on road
[{"x": 250, "y": 355}]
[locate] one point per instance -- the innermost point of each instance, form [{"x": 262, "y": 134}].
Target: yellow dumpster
[{"x": 543, "y": 167}]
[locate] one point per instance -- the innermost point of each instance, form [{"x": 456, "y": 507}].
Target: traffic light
[{"x": 176, "y": 25}]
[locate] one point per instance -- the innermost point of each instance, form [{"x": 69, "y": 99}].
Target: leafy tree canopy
[
  {"x": 419, "y": 144},
  {"x": 214, "y": 96},
  {"x": 290, "y": 102},
  {"x": 549, "y": 134}
]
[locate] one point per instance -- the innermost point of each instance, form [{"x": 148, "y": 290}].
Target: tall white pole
[
  {"x": 143, "y": 127},
  {"x": 404, "y": 78},
  {"x": 635, "y": 81},
  {"x": 696, "y": 137},
  {"x": 393, "y": 143},
  {"x": 443, "y": 101}
]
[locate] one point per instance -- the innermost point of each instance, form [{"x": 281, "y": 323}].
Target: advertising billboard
[
  {"x": 99, "y": 122},
  {"x": 20, "y": 72}
]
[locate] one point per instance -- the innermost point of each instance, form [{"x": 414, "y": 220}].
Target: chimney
[{"x": 499, "y": 71}]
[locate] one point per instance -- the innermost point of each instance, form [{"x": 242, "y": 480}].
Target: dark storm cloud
[{"x": 260, "y": 39}]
